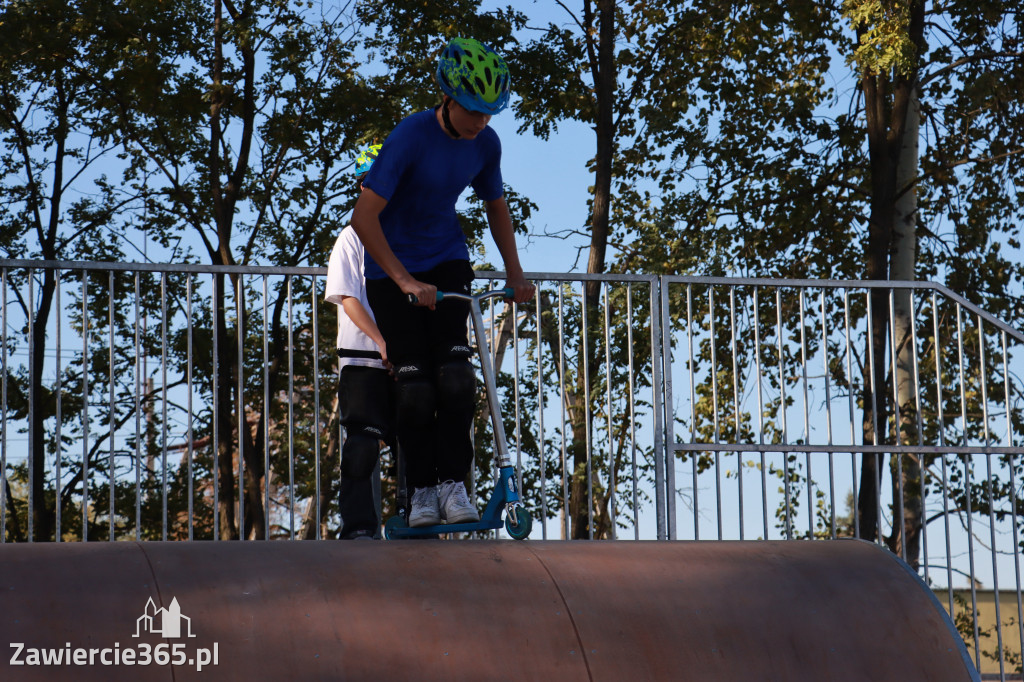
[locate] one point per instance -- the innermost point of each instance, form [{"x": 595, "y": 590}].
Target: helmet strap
[{"x": 446, "y": 117}]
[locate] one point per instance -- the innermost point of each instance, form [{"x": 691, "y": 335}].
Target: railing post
[{"x": 663, "y": 453}]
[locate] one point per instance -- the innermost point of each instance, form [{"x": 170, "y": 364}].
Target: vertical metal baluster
[
  {"x": 163, "y": 397},
  {"x": 586, "y": 402},
  {"x": 240, "y": 404},
  {"x": 3, "y": 406},
  {"x": 983, "y": 377},
  {"x": 900, "y": 516},
  {"x": 316, "y": 421},
  {"x": 291, "y": 417},
  {"x": 714, "y": 405},
  {"x": 266, "y": 415},
  {"x": 58, "y": 468},
  {"x": 920, "y": 439},
  {"x": 760, "y": 411},
  {"x": 188, "y": 407},
  {"x": 661, "y": 397},
  {"x": 138, "y": 415},
  {"x": 968, "y": 470},
  {"x": 541, "y": 449},
  {"x": 493, "y": 351},
  {"x": 515, "y": 388},
  {"x": 316, "y": 407},
  {"x": 693, "y": 412},
  {"x": 612, "y": 478},
  {"x": 736, "y": 400},
  {"x": 85, "y": 406},
  {"x": 942, "y": 442},
  {"x": 566, "y": 530},
  {"x": 828, "y": 416},
  {"x": 893, "y": 351},
  {"x": 853, "y": 423},
  {"x": 113, "y": 415},
  {"x": 632, "y": 407},
  {"x": 31, "y": 408},
  {"x": 782, "y": 406},
  {"x": 664, "y": 426},
  {"x": 807, "y": 416},
  {"x": 1013, "y": 487},
  {"x": 216, "y": 412},
  {"x": 874, "y": 421}
]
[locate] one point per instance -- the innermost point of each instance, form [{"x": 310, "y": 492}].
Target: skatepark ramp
[{"x": 486, "y": 610}]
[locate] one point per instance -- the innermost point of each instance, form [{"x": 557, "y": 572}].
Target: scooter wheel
[
  {"x": 523, "y": 524},
  {"x": 393, "y": 524}
]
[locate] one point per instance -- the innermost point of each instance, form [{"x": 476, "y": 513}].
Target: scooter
[{"x": 505, "y": 496}]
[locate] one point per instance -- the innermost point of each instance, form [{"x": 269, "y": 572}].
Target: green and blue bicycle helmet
[
  {"x": 474, "y": 75},
  {"x": 366, "y": 159}
]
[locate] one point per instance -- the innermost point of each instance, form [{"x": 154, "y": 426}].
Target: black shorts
[{"x": 418, "y": 335}]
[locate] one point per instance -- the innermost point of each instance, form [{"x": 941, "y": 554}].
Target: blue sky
[{"x": 551, "y": 173}]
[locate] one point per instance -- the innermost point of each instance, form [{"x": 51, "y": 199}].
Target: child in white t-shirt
[{"x": 365, "y": 387}]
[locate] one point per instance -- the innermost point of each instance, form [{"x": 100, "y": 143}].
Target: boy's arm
[
  {"x": 500, "y": 222},
  {"x": 361, "y": 319},
  {"x": 366, "y": 223}
]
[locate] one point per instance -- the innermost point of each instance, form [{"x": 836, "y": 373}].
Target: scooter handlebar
[{"x": 507, "y": 292}]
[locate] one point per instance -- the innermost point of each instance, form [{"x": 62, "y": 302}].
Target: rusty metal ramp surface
[{"x": 435, "y": 610}]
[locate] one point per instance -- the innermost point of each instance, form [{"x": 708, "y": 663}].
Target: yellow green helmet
[
  {"x": 366, "y": 159},
  {"x": 474, "y": 75}
]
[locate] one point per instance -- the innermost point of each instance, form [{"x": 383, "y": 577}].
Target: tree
[
  {"x": 233, "y": 124},
  {"x": 919, "y": 60},
  {"x": 650, "y": 78},
  {"x": 58, "y": 201}
]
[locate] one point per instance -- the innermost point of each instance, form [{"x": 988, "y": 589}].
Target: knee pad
[
  {"x": 360, "y": 452},
  {"x": 416, "y": 396},
  {"x": 456, "y": 382}
]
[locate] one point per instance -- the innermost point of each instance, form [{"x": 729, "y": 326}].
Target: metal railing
[{"x": 638, "y": 407}]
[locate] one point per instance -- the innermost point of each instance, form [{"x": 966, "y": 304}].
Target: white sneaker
[
  {"x": 455, "y": 504},
  {"x": 425, "y": 510}
]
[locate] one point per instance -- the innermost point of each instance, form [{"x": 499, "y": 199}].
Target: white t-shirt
[{"x": 345, "y": 278}]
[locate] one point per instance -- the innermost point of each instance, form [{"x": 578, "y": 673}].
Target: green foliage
[
  {"x": 736, "y": 145},
  {"x": 883, "y": 36}
]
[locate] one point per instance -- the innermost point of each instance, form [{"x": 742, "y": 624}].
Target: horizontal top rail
[
  {"x": 544, "y": 276},
  {"x": 164, "y": 267},
  {"x": 571, "y": 276},
  {"x": 289, "y": 270},
  {"x": 852, "y": 449},
  {"x": 847, "y": 284}
]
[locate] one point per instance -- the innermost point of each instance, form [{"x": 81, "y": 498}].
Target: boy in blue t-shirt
[{"x": 414, "y": 244}]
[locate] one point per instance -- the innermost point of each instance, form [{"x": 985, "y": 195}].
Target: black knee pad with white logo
[{"x": 416, "y": 396}]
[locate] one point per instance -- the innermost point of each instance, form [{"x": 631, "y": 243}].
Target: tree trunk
[
  {"x": 887, "y": 99},
  {"x": 43, "y": 517},
  {"x": 223, "y": 419},
  {"x": 602, "y": 65},
  {"x": 906, "y": 469},
  {"x": 883, "y": 179}
]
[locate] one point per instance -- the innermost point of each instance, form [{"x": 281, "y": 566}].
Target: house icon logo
[{"x": 165, "y": 622}]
